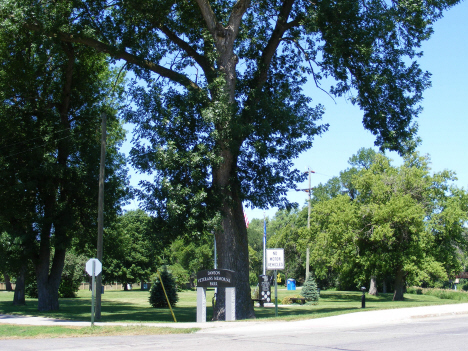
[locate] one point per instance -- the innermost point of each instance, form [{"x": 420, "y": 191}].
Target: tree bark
[
  {"x": 232, "y": 242},
  {"x": 19, "y": 298},
  {"x": 373, "y": 286},
  {"x": 7, "y": 282},
  {"x": 399, "y": 285},
  {"x": 232, "y": 247},
  {"x": 48, "y": 284}
]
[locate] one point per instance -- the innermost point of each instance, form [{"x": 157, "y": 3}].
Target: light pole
[{"x": 309, "y": 191}]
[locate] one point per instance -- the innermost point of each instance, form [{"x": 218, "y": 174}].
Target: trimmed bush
[
  {"x": 310, "y": 291},
  {"x": 287, "y": 300},
  {"x": 157, "y": 299}
]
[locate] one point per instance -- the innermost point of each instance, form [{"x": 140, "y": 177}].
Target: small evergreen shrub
[
  {"x": 310, "y": 291},
  {"x": 157, "y": 299}
]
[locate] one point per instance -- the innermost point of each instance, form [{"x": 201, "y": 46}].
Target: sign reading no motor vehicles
[{"x": 275, "y": 259}]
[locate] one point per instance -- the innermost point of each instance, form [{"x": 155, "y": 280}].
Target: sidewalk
[{"x": 345, "y": 321}]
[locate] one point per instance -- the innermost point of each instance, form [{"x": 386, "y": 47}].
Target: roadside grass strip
[{"x": 12, "y": 331}]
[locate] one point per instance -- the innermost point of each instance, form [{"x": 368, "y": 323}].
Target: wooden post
[{"x": 101, "y": 213}]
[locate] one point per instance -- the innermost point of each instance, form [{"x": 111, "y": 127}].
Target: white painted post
[
  {"x": 201, "y": 305},
  {"x": 230, "y": 304}
]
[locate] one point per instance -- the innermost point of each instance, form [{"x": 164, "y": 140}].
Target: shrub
[
  {"x": 440, "y": 293},
  {"x": 414, "y": 290},
  {"x": 157, "y": 299},
  {"x": 310, "y": 291},
  {"x": 255, "y": 293},
  {"x": 287, "y": 300},
  {"x": 463, "y": 284}
]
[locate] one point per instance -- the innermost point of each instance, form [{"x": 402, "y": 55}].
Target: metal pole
[
  {"x": 264, "y": 243},
  {"x": 276, "y": 293},
  {"x": 101, "y": 212},
  {"x": 93, "y": 288},
  {"x": 167, "y": 298},
  {"x": 309, "y": 191},
  {"x": 215, "y": 257}
]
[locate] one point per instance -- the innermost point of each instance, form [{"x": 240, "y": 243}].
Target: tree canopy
[
  {"x": 52, "y": 95},
  {"x": 404, "y": 226},
  {"x": 223, "y": 112}
]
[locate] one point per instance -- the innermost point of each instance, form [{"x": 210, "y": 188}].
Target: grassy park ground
[{"x": 133, "y": 307}]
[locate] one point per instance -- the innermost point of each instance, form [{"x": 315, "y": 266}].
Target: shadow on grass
[{"x": 111, "y": 311}]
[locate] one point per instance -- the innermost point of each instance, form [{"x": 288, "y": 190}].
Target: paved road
[{"x": 425, "y": 329}]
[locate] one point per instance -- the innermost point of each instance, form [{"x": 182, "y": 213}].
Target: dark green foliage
[
  {"x": 310, "y": 291},
  {"x": 463, "y": 284},
  {"x": 180, "y": 275},
  {"x": 157, "y": 298},
  {"x": 129, "y": 249},
  {"x": 72, "y": 275},
  {"x": 224, "y": 111},
  {"x": 31, "y": 290}
]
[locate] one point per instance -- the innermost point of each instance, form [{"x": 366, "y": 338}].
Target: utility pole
[
  {"x": 101, "y": 213},
  {"x": 308, "y": 191}
]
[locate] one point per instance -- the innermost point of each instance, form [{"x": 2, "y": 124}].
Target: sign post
[
  {"x": 275, "y": 260},
  {"x": 93, "y": 268}
]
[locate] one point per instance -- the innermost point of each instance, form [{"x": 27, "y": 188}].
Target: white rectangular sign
[{"x": 274, "y": 259}]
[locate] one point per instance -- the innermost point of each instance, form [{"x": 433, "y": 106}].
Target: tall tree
[
  {"x": 403, "y": 223},
  {"x": 128, "y": 252},
  {"x": 52, "y": 95},
  {"x": 228, "y": 115}
]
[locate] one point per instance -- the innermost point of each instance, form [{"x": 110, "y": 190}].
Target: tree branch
[
  {"x": 267, "y": 55},
  {"x": 120, "y": 54},
  {"x": 236, "y": 15},
  {"x": 200, "y": 59},
  {"x": 310, "y": 64},
  {"x": 208, "y": 15}
]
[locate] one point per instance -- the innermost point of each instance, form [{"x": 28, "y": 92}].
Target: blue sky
[{"x": 443, "y": 124}]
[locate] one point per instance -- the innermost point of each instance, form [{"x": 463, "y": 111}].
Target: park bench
[{"x": 301, "y": 300}]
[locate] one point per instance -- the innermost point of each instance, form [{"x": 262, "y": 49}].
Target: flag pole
[{"x": 264, "y": 243}]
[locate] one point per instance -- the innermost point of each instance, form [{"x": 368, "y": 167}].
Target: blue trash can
[{"x": 291, "y": 284}]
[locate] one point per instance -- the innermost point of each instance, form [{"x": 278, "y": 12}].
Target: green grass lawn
[
  {"x": 133, "y": 306},
  {"x": 11, "y": 331}
]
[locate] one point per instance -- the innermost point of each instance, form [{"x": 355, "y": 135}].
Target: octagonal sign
[{"x": 97, "y": 266}]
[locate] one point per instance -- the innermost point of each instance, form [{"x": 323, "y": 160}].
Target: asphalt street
[{"x": 422, "y": 328}]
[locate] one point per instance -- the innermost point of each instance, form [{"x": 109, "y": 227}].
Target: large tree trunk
[
  {"x": 233, "y": 254},
  {"x": 373, "y": 286},
  {"x": 399, "y": 285},
  {"x": 231, "y": 241},
  {"x": 48, "y": 284},
  {"x": 19, "y": 298},
  {"x": 8, "y": 286}
]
